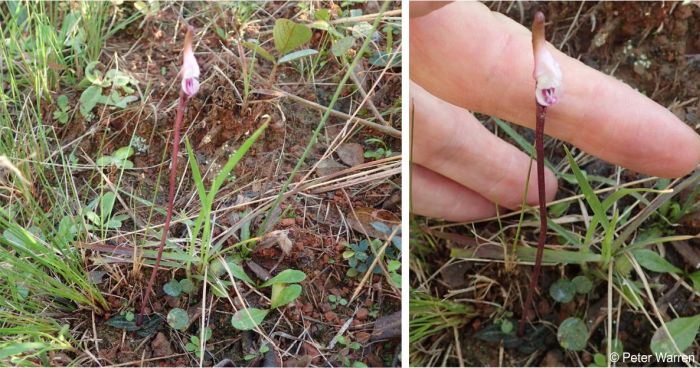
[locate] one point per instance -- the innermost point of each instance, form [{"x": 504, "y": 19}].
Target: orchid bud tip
[
  {"x": 190, "y": 68},
  {"x": 546, "y": 72},
  {"x": 539, "y": 17}
]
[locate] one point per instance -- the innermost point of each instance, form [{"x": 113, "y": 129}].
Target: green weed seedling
[
  {"x": 103, "y": 218},
  {"x": 287, "y": 36},
  {"x": 285, "y": 289},
  {"x": 119, "y": 159},
  {"x": 564, "y": 290},
  {"x": 349, "y": 346},
  {"x": 174, "y": 288},
  {"x": 119, "y": 83},
  {"x": 194, "y": 344},
  {"x": 352, "y": 345},
  {"x": 360, "y": 256},
  {"x": 62, "y": 113},
  {"x": 393, "y": 252},
  {"x": 599, "y": 359},
  {"x": 382, "y": 150},
  {"x": 335, "y": 301},
  {"x": 264, "y": 348}
]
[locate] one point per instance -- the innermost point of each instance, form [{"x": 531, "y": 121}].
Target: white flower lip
[
  {"x": 547, "y": 73},
  {"x": 190, "y": 68}
]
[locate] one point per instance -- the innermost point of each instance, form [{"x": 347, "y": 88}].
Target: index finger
[
  {"x": 471, "y": 57},
  {"x": 421, "y": 8}
]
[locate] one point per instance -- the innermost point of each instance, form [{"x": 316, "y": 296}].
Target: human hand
[{"x": 463, "y": 56}]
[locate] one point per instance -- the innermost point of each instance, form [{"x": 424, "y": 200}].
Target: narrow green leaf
[
  {"x": 587, "y": 190},
  {"x": 196, "y": 174},
  {"x": 107, "y": 204},
  {"x": 297, "y": 55},
  {"x": 654, "y": 262},
  {"x": 522, "y": 142},
  {"x": 259, "y": 51},
  {"x": 232, "y": 162},
  {"x": 549, "y": 257},
  {"x": 19, "y": 348}
]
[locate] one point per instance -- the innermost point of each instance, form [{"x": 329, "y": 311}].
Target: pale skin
[{"x": 466, "y": 58}]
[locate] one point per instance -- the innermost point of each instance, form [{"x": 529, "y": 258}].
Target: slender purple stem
[
  {"x": 539, "y": 148},
  {"x": 171, "y": 199}
]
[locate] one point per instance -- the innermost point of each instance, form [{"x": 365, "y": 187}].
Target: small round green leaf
[
  {"x": 572, "y": 334},
  {"x": 178, "y": 318},
  {"x": 506, "y": 326},
  {"x": 562, "y": 291},
  {"x": 617, "y": 346},
  {"x": 583, "y": 284},
  {"x": 186, "y": 286},
  {"x": 248, "y": 318},
  {"x": 172, "y": 288}
]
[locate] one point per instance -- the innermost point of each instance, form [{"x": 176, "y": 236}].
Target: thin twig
[{"x": 384, "y": 129}]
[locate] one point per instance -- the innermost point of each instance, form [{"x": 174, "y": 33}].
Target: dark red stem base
[
  {"x": 539, "y": 148},
  {"x": 171, "y": 199}
]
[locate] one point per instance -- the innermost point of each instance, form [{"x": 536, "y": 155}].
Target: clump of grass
[
  {"x": 45, "y": 49},
  {"x": 429, "y": 315}
]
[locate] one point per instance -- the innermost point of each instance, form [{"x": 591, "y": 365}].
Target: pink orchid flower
[
  {"x": 547, "y": 72},
  {"x": 190, "y": 68}
]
